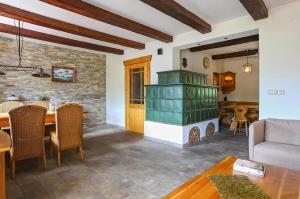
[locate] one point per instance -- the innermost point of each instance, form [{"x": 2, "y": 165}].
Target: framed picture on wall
[{"x": 64, "y": 74}]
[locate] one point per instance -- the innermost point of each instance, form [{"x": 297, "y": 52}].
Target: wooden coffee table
[{"x": 279, "y": 183}]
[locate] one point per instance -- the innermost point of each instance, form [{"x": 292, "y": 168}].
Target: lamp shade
[
  {"x": 247, "y": 68},
  {"x": 40, "y": 73}
]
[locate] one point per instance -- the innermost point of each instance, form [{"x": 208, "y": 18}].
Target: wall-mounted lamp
[{"x": 228, "y": 78}]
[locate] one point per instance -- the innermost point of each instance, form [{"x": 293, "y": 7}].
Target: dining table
[
  {"x": 5, "y": 144},
  {"x": 227, "y": 112},
  {"x": 4, "y": 118}
]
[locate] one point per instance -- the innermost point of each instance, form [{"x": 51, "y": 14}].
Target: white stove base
[{"x": 173, "y": 134}]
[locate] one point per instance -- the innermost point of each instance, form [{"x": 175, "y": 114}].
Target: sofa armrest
[{"x": 256, "y": 135}]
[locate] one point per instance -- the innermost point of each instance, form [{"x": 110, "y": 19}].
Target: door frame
[{"x": 127, "y": 63}]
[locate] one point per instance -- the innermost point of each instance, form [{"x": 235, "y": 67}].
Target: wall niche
[{"x": 225, "y": 81}]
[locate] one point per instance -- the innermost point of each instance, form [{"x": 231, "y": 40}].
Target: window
[{"x": 136, "y": 86}]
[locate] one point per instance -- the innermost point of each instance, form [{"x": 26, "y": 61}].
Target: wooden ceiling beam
[
  {"x": 29, "y": 17},
  {"x": 97, "y": 13},
  {"x": 235, "y": 54},
  {"x": 59, "y": 40},
  {"x": 256, "y": 8},
  {"x": 175, "y": 10},
  {"x": 226, "y": 43}
]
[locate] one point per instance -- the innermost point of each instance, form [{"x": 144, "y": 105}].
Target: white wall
[
  {"x": 247, "y": 84},
  {"x": 158, "y": 62},
  {"x": 115, "y": 94},
  {"x": 195, "y": 64},
  {"x": 279, "y": 61}
]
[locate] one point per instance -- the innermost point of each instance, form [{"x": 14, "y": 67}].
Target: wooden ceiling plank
[
  {"x": 97, "y": 13},
  {"x": 175, "y": 10},
  {"x": 235, "y": 54},
  {"x": 226, "y": 43},
  {"x": 256, "y": 8},
  {"x": 29, "y": 17},
  {"x": 59, "y": 40}
]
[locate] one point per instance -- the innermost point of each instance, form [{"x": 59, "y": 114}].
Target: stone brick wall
[{"x": 89, "y": 89}]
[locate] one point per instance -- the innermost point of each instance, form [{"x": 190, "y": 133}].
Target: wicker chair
[
  {"x": 44, "y": 104},
  {"x": 27, "y": 133},
  {"x": 49, "y": 127},
  {"x": 7, "y": 106},
  {"x": 69, "y": 130}
]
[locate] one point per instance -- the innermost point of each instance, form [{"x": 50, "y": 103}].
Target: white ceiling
[
  {"x": 275, "y": 3},
  {"x": 213, "y": 11}
]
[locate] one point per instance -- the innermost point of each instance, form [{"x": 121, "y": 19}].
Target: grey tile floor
[{"x": 120, "y": 165}]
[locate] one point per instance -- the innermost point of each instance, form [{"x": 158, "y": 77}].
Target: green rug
[{"x": 237, "y": 187}]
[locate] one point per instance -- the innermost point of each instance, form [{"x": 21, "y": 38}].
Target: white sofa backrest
[{"x": 283, "y": 131}]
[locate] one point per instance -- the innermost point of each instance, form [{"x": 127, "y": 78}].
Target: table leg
[{"x": 2, "y": 176}]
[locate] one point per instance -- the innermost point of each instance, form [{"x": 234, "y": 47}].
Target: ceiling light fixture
[
  {"x": 247, "y": 68},
  {"x": 2, "y": 73},
  {"x": 39, "y": 72},
  {"x": 19, "y": 67}
]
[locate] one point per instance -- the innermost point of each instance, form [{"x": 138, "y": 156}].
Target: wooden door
[{"x": 137, "y": 74}]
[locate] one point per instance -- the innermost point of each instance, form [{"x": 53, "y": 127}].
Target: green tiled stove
[{"x": 181, "y": 98}]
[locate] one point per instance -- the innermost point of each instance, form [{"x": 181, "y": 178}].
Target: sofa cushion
[
  {"x": 283, "y": 131},
  {"x": 278, "y": 154}
]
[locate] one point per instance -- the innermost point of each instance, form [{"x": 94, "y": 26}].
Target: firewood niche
[{"x": 225, "y": 81}]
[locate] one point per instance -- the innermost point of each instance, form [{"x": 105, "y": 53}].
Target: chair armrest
[{"x": 256, "y": 135}]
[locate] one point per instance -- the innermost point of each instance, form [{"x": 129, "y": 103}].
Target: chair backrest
[
  {"x": 27, "y": 131},
  {"x": 240, "y": 113},
  {"x": 7, "y": 106},
  {"x": 69, "y": 125},
  {"x": 282, "y": 131},
  {"x": 44, "y": 104}
]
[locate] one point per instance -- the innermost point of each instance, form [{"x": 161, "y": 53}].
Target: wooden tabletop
[
  {"x": 279, "y": 183},
  {"x": 5, "y": 142},
  {"x": 4, "y": 119},
  {"x": 6, "y": 115}
]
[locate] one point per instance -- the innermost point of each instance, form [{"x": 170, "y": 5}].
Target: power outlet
[
  {"x": 272, "y": 92},
  {"x": 276, "y": 92},
  {"x": 281, "y": 92}
]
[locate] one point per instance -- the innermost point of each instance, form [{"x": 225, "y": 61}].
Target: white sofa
[{"x": 275, "y": 142}]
